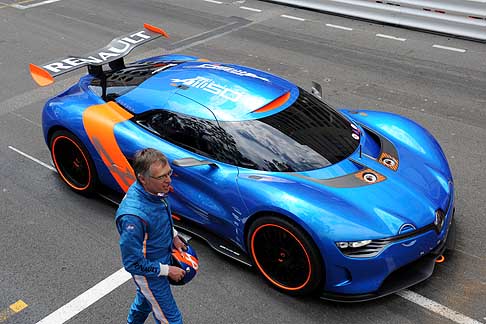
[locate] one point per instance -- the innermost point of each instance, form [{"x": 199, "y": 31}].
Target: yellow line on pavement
[
  {"x": 18, "y": 306},
  {"x": 13, "y": 309}
]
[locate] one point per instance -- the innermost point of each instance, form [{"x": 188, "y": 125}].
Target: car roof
[{"x": 230, "y": 92}]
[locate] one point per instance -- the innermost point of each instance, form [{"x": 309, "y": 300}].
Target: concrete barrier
[{"x": 455, "y": 17}]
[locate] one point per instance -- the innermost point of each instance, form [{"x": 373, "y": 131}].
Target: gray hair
[{"x": 144, "y": 158}]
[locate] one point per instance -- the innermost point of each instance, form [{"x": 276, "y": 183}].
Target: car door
[{"x": 204, "y": 179}]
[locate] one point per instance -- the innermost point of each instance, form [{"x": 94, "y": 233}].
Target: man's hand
[
  {"x": 176, "y": 273},
  {"x": 179, "y": 244}
]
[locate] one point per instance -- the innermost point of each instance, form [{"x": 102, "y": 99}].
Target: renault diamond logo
[{"x": 405, "y": 228}]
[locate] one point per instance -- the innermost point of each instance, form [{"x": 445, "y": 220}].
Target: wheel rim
[
  {"x": 281, "y": 257},
  {"x": 71, "y": 163}
]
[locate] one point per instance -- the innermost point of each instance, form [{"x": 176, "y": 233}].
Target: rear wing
[{"x": 112, "y": 54}]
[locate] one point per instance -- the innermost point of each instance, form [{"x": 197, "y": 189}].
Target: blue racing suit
[{"x": 145, "y": 225}]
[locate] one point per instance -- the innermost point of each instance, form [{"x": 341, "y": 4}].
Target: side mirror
[
  {"x": 316, "y": 90},
  {"x": 190, "y": 162}
]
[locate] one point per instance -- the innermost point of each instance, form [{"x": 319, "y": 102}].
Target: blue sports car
[{"x": 349, "y": 204}]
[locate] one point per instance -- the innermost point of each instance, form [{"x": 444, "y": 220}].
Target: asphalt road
[{"x": 55, "y": 244}]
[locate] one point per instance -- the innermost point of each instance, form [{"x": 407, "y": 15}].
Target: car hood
[
  {"x": 406, "y": 196},
  {"x": 336, "y": 199}
]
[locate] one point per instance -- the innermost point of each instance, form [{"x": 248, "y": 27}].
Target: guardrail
[{"x": 463, "y": 18}]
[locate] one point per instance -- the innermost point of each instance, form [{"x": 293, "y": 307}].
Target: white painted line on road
[
  {"x": 87, "y": 298},
  {"x": 391, "y": 37},
  {"x": 26, "y": 119},
  {"x": 436, "y": 307},
  {"x": 450, "y": 48},
  {"x": 292, "y": 17},
  {"x": 250, "y": 9},
  {"x": 338, "y": 27},
  {"x": 32, "y": 158},
  {"x": 22, "y": 7},
  {"x": 213, "y": 1}
]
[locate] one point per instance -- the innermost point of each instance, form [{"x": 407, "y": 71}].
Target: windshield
[{"x": 307, "y": 135}]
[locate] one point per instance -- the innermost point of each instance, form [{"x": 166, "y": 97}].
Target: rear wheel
[
  {"x": 73, "y": 162},
  {"x": 285, "y": 255}
]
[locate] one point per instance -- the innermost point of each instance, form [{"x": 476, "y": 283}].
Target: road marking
[
  {"x": 391, "y": 37},
  {"x": 250, "y": 9},
  {"x": 450, "y": 48},
  {"x": 213, "y": 1},
  {"x": 32, "y": 158},
  {"x": 13, "y": 309},
  {"x": 22, "y": 7},
  {"x": 436, "y": 307},
  {"x": 338, "y": 27},
  {"x": 18, "y": 306},
  {"x": 292, "y": 17},
  {"x": 87, "y": 298},
  {"x": 26, "y": 119}
]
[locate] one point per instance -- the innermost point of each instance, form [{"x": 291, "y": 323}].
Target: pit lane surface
[{"x": 55, "y": 245}]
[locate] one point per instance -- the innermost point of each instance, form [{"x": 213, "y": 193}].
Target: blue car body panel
[
  {"x": 231, "y": 92},
  {"x": 322, "y": 201}
]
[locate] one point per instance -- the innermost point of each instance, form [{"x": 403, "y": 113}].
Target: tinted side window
[{"x": 201, "y": 136}]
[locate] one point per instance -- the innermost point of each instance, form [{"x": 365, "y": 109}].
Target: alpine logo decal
[
  {"x": 230, "y": 70},
  {"x": 210, "y": 86}
]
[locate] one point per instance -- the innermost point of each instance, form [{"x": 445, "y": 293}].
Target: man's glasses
[{"x": 163, "y": 176}]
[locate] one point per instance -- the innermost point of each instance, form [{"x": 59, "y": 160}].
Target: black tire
[
  {"x": 285, "y": 256},
  {"x": 72, "y": 162}
]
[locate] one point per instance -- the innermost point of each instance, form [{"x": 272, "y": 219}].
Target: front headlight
[
  {"x": 355, "y": 244},
  {"x": 363, "y": 248}
]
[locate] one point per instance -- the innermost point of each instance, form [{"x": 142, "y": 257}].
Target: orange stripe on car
[
  {"x": 99, "y": 122},
  {"x": 274, "y": 104}
]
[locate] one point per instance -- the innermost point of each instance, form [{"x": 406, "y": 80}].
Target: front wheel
[
  {"x": 73, "y": 162},
  {"x": 285, "y": 255}
]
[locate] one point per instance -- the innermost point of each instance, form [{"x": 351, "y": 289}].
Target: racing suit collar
[{"x": 149, "y": 195}]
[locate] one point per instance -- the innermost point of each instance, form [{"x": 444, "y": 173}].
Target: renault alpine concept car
[{"x": 351, "y": 204}]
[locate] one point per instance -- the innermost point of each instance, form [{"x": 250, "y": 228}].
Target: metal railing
[{"x": 464, "y": 18}]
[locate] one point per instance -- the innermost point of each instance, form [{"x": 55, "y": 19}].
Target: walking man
[{"x": 147, "y": 237}]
